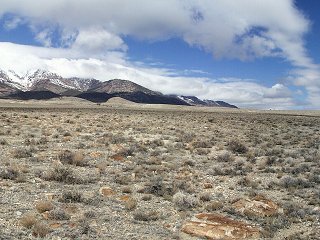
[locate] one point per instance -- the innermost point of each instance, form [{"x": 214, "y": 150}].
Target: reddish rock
[
  {"x": 106, "y": 191},
  {"x": 95, "y": 154},
  {"x": 258, "y": 206},
  {"x": 216, "y": 226},
  {"x": 124, "y": 198},
  {"x": 55, "y": 225},
  {"x": 117, "y": 157}
]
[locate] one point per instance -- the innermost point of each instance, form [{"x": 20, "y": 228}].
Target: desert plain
[{"x": 72, "y": 169}]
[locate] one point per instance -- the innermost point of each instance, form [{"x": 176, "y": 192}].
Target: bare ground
[{"x": 71, "y": 169}]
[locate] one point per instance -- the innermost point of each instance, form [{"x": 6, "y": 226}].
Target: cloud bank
[{"x": 86, "y": 38}]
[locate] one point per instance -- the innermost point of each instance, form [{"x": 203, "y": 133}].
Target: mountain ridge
[{"x": 33, "y": 83}]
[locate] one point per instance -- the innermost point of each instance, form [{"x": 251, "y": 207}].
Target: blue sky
[{"x": 252, "y": 53}]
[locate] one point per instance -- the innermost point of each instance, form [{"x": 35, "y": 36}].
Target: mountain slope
[
  {"x": 6, "y": 89},
  {"x": 44, "y": 80},
  {"x": 28, "y": 95},
  {"x": 121, "y": 86},
  {"x": 34, "y": 83},
  {"x": 194, "y": 101}
]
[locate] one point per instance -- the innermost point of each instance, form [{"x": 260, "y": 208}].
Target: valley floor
[{"x": 71, "y": 169}]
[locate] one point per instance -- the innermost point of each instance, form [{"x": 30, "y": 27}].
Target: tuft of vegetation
[
  {"x": 185, "y": 201},
  {"x": 236, "y": 146}
]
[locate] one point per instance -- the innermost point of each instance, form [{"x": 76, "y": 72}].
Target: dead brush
[
  {"x": 43, "y": 206},
  {"x": 68, "y": 157},
  {"x": 62, "y": 174},
  {"x": 40, "y": 229},
  {"x": 236, "y": 146},
  {"x": 12, "y": 173},
  {"x": 28, "y": 220}
]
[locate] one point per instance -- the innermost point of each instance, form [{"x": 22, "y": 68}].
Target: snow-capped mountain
[
  {"x": 42, "y": 79},
  {"x": 192, "y": 100},
  {"x": 42, "y": 84}
]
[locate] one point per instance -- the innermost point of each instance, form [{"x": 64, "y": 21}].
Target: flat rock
[
  {"x": 215, "y": 226},
  {"x": 106, "y": 191},
  {"x": 258, "y": 206}
]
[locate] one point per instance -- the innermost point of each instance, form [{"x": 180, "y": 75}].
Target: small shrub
[
  {"x": 62, "y": 174},
  {"x": 205, "y": 197},
  {"x": 11, "y": 173},
  {"x": 3, "y": 142},
  {"x": 290, "y": 182},
  {"x": 40, "y": 230},
  {"x": 22, "y": 153},
  {"x": 146, "y": 197},
  {"x": 71, "y": 197},
  {"x": 146, "y": 216},
  {"x": 159, "y": 188},
  {"x": 122, "y": 179},
  {"x": 68, "y": 157},
  {"x": 43, "y": 206},
  {"x": 213, "y": 206},
  {"x": 28, "y": 220},
  {"x": 184, "y": 201},
  {"x": 127, "y": 190},
  {"x": 202, "y": 144},
  {"x": 130, "y": 204},
  {"x": 237, "y": 147},
  {"x": 90, "y": 214},
  {"x": 225, "y": 157},
  {"x": 58, "y": 214}
]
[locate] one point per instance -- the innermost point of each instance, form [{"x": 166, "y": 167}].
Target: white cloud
[
  {"x": 244, "y": 29},
  {"x": 12, "y": 23},
  {"x": 95, "y": 40},
  {"x": 69, "y": 63},
  {"x": 222, "y": 27}
]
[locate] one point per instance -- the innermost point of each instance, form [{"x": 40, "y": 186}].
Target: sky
[{"x": 261, "y": 54}]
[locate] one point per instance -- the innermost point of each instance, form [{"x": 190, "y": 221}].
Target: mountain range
[{"x": 42, "y": 84}]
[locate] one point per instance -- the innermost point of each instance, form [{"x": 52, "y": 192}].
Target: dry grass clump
[
  {"x": 213, "y": 206},
  {"x": 71, "y": 197},
  {"x": 3, "y": 142},
  {"x": 62, "y": 174},
  {"x": 43, "y": 206},
  {"x": 157, "y": 186},
  {"x": 40, "y": 229},
  {"x": 130, "y": 204},
  {"x": 146, "y": 216},
  {"x": 22, "y": 153},
  {"x": 28, "y": 220},
  {"x": 68, "y": 157},
  {"x": 236, "y": 146},
  {"x": 58, "y": 214},
  {"x": 225, "y": 157},
  {"x": 12, "y": 173},
  {"x": 184, "y": 201},
  {"x": 291, "y": 182}
]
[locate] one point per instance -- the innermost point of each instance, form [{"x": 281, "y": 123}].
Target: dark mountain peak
[
  {"x": 121, "y": 86},
  {"x": 43, "y": 84}
]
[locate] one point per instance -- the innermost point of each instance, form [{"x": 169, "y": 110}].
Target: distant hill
[{"x": 41, "y": 84}]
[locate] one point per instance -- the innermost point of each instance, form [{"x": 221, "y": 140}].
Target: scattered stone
[
  {"x": 216, "y": 226},
  {"x": 207, "y": 185},
  {"x": 117, "y": 157},
  {"x": 124, "y": 198},
  {"x": 106, "y": 191},
  {"x": 258, "y": 206},
  {"x": 18, "y": 213},
  {"x": 55, "y": 225},
  {"x": 50, "y": 196}
]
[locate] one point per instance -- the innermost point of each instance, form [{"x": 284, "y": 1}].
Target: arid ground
[{"x": 70, "y": 169}]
